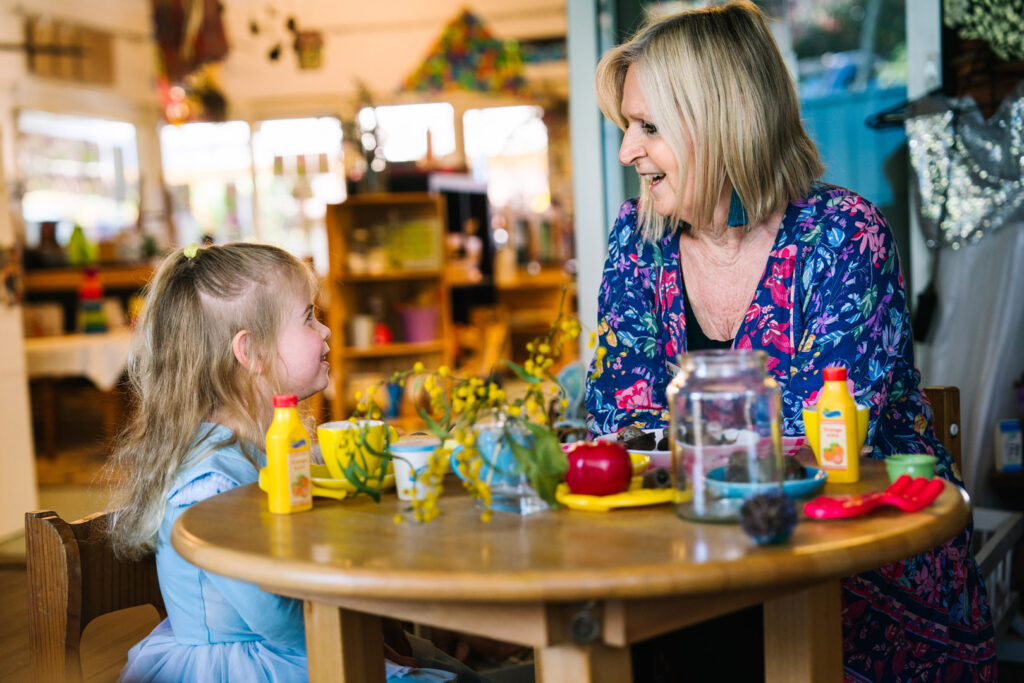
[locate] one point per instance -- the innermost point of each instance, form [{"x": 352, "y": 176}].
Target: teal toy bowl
[{"x": 913, "y": 464}]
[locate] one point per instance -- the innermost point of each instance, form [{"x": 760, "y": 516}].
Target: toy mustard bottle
[
  {"x": 286, "y": 478},
  {"x": 838, "y": 439}
]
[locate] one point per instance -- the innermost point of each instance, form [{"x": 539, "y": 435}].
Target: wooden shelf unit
[
  {"x": 349, "y": 293},
  {"x": 68, "y": 279}
]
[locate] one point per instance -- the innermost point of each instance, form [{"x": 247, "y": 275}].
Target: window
[
  {"x": 299, "y": 171},
  {"x": 401, "y": 131},
  {"x": 270, "y": 183},
  {"x": 77, "y": 170},
  {"x": 208, "y": 172},
  {"x": 507, "y": 147}
]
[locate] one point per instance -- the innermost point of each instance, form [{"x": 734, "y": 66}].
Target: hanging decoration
[
  {"x": 308, "y": 44},
  {"x": 467, "y": 56},
  {"x": 191, "y": 42},
  {"x": 308, "y": 49},
  {"x": 997, "y": 22}
]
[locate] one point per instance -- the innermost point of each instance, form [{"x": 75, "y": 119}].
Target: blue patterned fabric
[{"x": 832, "y": 293}]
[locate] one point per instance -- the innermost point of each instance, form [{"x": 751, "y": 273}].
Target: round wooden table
[{"x": 579, "y": 587}]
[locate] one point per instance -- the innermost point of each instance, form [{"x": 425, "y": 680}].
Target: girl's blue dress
[
  {"x": 832, "y": 293},
  {"x": 220, "y": 629}
]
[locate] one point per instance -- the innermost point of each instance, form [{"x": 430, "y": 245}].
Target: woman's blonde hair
[
  {"x": 720, "y": 95},
  {"x": 182, "y": 369}
]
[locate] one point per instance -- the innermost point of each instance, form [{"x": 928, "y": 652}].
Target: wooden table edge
[{"x": 295, "y": 576}]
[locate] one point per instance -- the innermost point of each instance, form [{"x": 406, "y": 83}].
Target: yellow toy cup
[
  {"x": 811, "y": 427},
  {"x": 336, "y": 456}
]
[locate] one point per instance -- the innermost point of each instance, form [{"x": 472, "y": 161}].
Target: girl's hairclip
[{"x": 191, "y": 251}]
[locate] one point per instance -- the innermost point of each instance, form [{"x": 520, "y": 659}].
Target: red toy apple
[{"x": 598, "y": 468}]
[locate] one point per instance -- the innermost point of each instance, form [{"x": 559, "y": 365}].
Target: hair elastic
[{"x": 191, "y": 250}]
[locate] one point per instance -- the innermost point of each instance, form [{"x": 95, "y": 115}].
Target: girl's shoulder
[{"x": 217, "y": 460}]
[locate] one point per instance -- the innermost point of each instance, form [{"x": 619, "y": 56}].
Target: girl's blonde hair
[
  {"x": 718, "y": 91},
  {"x": 182, "y": 369}
]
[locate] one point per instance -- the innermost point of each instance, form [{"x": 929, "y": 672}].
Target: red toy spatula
[{"x": 909, "y": 495}]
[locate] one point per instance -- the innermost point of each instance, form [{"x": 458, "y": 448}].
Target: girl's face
[
  {"x": 645, "y": 149},
  {"x": 302, "y": 351}
]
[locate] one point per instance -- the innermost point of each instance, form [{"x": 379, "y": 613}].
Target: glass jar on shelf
[{"x": 726, "y": 422}]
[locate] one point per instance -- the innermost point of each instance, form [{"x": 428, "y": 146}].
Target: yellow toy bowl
[
  {"x": 336, "y": 458},
  {"x": 811, "y": 427}
]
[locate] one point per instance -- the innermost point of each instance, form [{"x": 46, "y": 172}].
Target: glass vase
[
  {"x": 726, "y": 418},
  {"x": 511, "y": 490}
]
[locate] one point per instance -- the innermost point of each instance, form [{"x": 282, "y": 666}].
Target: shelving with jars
[{"x": 387, "y": 296}]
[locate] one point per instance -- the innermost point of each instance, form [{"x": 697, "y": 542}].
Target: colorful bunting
[{"x": 467, "y": 56}]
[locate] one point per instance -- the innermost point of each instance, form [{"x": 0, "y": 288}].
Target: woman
[{"x": 733, "y": 244}]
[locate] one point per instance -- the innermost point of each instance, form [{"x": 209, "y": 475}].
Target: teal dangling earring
[{"x": 737, "y": 214}]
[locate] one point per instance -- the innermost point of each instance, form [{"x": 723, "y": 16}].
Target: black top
[{"x": 696, "y": 340}]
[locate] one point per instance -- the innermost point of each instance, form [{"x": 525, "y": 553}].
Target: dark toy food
[{"x": 636, "y": 439}]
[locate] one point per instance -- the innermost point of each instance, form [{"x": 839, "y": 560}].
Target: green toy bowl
[{"x": 913, "y": 464}]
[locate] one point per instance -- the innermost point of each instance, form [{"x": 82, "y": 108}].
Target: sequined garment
[
  {"x": 831, "y": 293},
  {"x": 969, "y": 171}
]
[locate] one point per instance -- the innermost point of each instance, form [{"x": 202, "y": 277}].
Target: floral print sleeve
[{"x": 628, "y": 376}]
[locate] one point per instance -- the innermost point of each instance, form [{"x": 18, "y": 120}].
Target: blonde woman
[
  {"x": 734, "y": 244},
  {"x": 224, "y": 328}
]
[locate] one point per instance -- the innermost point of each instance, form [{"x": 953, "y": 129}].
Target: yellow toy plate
[
  {"x": 322, "y": 479},
  {"x": 636, "y": 496},
  {"x": 327, "y": 487}
]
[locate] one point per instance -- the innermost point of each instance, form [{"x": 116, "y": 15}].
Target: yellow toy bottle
[
  {"x": 286, "y": 478},
  {"x": 838, "y": 438}
]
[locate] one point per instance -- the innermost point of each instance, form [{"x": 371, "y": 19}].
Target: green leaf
[
  {"x": 647, "y": 320},
  {"x": 523, "y": 374},
  {"x": 545, "y": 464}
]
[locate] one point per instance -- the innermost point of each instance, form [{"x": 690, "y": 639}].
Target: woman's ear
[{"x": 240, "y": 347}]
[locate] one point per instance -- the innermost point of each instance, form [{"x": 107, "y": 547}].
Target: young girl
[{"x": 224, "y": 328}]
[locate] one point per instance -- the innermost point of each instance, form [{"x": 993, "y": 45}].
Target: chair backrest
[
  {"x": 946, "y": 409},
  {"x": 74, "y": 577}
]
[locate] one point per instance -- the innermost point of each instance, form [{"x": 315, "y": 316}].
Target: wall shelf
[
  {"x": 394, "y": 350},
  {"x": 407, "y": 231}
]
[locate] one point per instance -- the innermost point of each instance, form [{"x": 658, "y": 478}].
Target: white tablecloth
[{"x": 99, "y": 357}]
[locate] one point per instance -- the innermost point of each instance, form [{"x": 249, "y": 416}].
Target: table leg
[
  {"x": 343, "y": 645},
  {"x": 803, "y": 635},
  {"x": 594, "y": 663}
]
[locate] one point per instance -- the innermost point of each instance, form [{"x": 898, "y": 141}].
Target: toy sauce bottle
[
  {"x": 838, "y": 440},
  {"x": 287, "y": 475}
]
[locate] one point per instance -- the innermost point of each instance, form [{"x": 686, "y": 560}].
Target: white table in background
[{"x": 99, "y": 357}]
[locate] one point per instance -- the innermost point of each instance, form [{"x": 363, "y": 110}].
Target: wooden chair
[
  {"x": 946, "y": 409},
  {"x": 73, "y": 577},
  {"x": 996, "y": 532}
]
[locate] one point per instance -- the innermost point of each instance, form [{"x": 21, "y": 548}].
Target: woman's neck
[{"x": 724, "y": 246}]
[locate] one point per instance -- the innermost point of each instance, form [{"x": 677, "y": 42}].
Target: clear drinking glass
[{"x": 726, "y": 427}]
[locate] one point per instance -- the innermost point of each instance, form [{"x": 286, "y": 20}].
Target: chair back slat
[
  {"x": 946, "y": 410},
  {"x": 74, "y": 577},
  {"x": 115, "y": 583}
]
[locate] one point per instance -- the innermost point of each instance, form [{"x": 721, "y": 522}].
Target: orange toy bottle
[
  {"x": 287, "y": 476},
  {"x": 838, "y": 441}
]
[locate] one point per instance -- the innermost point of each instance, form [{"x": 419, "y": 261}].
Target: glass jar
[{"x": 725, "y": 432}]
